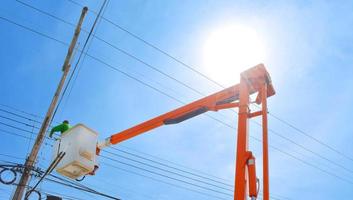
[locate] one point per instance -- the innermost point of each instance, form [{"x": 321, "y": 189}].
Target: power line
[
  {"x": 153, "y": 172},
  {"x": 166, "y": 176},
  {"x": 301, "y": 160},
  {"x": 156, "y": 69},
  {"x": 110, "y": 66},
  {"x": 20, "y": 129},
  {"x": 21, "y": 25},
  {"x": 14, "y": 114},
  {"x": 307, "y": 163},
  {"x": 66, "y": 183},
  {"x": 332, "y": 162},
  {"x": 121, "y": 50},
  {"x": 168, "y": 183},
  {"x": 16, "y": 121},
  {"x": 11, "y": 156},
  {"x": 169, "y": 171},
  {"x": 21, "y": 111},
  {"x": 83, "y": 60},
  {"x": 79, "y": 58},
  {"x": 162, "y": 181},
  {"x": 144, "y": 163},
  {"x": 167, "y": 161},
  {"x": 24, "y": 113},
  {"x": 171, "y": 167},
  {"x": 206, "y": 77},
  {"x": 156, "y": 48},
  {"x": 311, "y": 137},
  {"x": 231, "y": 190}
]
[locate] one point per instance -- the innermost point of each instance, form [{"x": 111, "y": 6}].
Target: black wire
[
  {"x": 17, "y": 121},
  {"x": 171, "y": 167},
  {"x": 311, "y": 137},
  {"x": 88, "y": 47},
  {"x": 14, "y": 127},
  {"x": 155, "y": 47},
  {"x": 63, "y": 181},
  {"x": 78, "y": 61},
  {"x": 80, "y": 185},
  {"x": 21, "y": 129},
  {"x": 34, "y": 31},
  {"x": 51, "y": 167},
  {"x": 11, "y": 156},
  {"x": 15, "y": 134},
  {"x": 166, "y": 176},
  {"x": 208, "y": 78},
  {"x": 144, "y": 154},
  {"x": 259, "y": 140},
  {"x": 21, "y": 116},
  {"x": 171, "y": 172},
  {"x": 154, "y": 68},
  {"x": 190, "y": 67},
  {"x": 307, "y": 163},
  {"x": 162, "y": 181}
]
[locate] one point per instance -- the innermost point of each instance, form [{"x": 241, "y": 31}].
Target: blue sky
[{"x": 308, "y": 54}]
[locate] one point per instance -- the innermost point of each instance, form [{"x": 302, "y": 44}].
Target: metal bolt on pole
[{"x": 39, "y": 140}]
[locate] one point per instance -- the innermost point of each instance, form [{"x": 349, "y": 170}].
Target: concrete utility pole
[{"x": 33, "y": 155}]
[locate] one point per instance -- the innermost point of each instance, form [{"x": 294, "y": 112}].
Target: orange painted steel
[
  {"x": 255, "y": 79},
  {"x": 255, "y": 114},
  {"x": 253, "y": 187},
  {"x": 266, "y": 184},
  {"x": 225, "y": 106}
]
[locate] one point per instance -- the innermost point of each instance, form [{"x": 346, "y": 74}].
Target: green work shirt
[{"x": 59, "y": 128}]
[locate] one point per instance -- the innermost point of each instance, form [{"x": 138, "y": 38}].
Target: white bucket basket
[{"x": 79, "y": 143}]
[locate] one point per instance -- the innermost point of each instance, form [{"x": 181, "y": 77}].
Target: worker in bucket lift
[
  {"x": 60, "y": 128},
  {"x": 63, "y": 127}
]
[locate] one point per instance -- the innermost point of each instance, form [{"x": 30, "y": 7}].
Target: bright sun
[{"x": 230, "y": 50}]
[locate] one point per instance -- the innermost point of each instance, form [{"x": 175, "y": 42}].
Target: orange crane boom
[{"x": 253, "y": 80}]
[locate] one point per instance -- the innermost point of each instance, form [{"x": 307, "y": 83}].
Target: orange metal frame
[{"x": 253, "y": 80}]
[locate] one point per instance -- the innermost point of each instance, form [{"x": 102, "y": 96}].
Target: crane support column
[
  {"x": 255, "y": 80},
  {"x": 266, "y": 190},
  {"x": 242, "y": 143}
]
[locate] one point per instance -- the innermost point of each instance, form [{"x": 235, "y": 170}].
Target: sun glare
[{"x": 230, "y": 50}]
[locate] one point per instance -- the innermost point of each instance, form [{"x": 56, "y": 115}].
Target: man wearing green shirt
[{"x": 60, "y": 128}]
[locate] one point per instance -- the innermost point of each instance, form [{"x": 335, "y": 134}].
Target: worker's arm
[{"x": 56, "y": 129}]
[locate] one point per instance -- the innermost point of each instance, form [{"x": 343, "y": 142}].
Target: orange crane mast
[{"x": 254, "y": 80}]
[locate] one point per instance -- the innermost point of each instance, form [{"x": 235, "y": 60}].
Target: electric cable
[
  {"x": 21, "y": 116},
  {"x": 166, "y": 176},
  {"x": 17, "y": 121},
  {"x": 60, "y": 181},
  {"x": 58, "y": 177},
  {"x": 154, "y": 68},
  {"x": 99, "y": 19},
  {"x": 155, "y": 47},
  {"x": 171, "y": 167},
  {"x": 162, "y": 181},
  {"x": 79, "y": 58},
  {"x": 213, "y": 81},
  {"x": 144, "y": 154},
  {"x": 51, "y": 167},
  {"x": 331, "y": 174},
  {"x": 21, "y": 111},
  {"x": 304, "y": 162},
  {"x": 2, "y": 18},
  {"x": 168, "y": 171}
]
